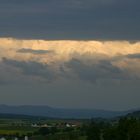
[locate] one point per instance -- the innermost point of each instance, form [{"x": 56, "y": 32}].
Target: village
[{"x": 29, "y": 130}]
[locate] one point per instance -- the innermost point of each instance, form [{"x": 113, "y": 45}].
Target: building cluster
[
  {"x": 16, "y": 138},
  {"x": 58, "y": 125}
]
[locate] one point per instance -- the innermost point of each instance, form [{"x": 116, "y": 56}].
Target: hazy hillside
[
  {"x": 59, "y": 113},
  {"x": 134, "y": 114}
]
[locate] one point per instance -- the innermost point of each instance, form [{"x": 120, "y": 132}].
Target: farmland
[{"x": 42, "y": 128}]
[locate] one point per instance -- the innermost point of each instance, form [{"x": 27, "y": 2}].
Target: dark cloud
[
  {"x": 92, "y": 72},
  {"x": 9, "y": 75},
  {"x": 23, "y": 50},
  {"x": 31, "y": 68},
  {"x": 87, "y": 72},
  {"x": 133, "y": 56},
  {"x": 129, "y": 56},
  {"x": 70, "y": 19},
  {"x": 18, "y": 85}
]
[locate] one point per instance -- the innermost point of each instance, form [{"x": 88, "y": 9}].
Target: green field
[{"x": 36, "y": 128}]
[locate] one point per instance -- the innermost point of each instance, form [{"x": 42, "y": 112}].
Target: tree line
[{"x": 123, "y": 129}]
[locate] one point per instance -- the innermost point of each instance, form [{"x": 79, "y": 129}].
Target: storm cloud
[
  {"x": 70, "y": 19},
  {"x": 89, "y": 61},
  {"x": 68, "y": 73},
  {"x": 70, "y": 53},
  {"x": 100, "y": 70},
  {"x": 30, "y": 69}
]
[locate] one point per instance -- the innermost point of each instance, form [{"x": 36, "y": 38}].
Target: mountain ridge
[{"x": 47, "y": 111}]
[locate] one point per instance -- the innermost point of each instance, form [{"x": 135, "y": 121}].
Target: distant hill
[
  {"x": 135, "y": 114},
  {"x": 15, "y": 116},
  {"x": 47, "y": 111}
]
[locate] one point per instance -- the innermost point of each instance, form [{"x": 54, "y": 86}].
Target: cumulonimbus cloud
[
  {"x": 89, "y": 60},
  {"x": 65, "y": 50}
]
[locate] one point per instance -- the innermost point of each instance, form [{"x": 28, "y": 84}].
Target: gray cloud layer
[
  {"x": 70, "y": 19},
  {"x": 99, "y": 85},
  {"x": 85, "y": 74},
  {"x": 23, "y": 50},
  {"x": 13, "y": 71},
  {"x": 134, "y": 56},
  {"x": 25, "y": 70},
  {"x": 102, "y": 70}
]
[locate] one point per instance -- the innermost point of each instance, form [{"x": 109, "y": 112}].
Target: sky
[{"x": 70, "y": 53}]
